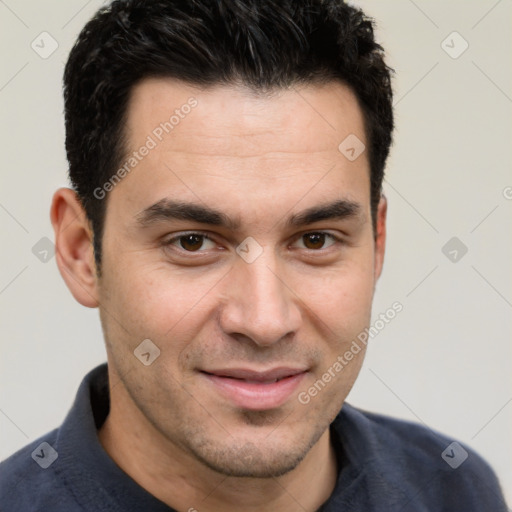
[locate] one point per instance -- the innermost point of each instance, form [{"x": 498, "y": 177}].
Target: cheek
[
  {"x": 157, "y": 302},
  {"x": 341, "y": 298},
  {"x": 339, "y": 313}
]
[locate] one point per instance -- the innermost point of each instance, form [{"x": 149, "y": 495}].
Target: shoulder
[
  {"x": 391, "y": 435},
  {"x": 30, "y": 481},
  {"x": 426, "y": 465},
  {"x": 407, "y": 440}
]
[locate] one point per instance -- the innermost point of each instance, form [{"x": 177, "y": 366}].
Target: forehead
[
  {"x": 225, "y": 144},
  {"x": 308, "y": 118}
]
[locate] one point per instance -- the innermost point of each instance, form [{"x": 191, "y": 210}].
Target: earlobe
[
  {"x": 380, "y": 236},
  {"x": 73, "y": 247}
]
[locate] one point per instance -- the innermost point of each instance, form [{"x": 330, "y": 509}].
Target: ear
[
  {"x": 73, "y": 247},
  {"x": 380, "y": 236}
]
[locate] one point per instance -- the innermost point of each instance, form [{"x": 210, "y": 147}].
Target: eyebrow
[{"x": 167, "y": 210}]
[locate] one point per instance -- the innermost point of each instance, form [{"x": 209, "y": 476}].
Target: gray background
[{"x": 444, "y": 360}]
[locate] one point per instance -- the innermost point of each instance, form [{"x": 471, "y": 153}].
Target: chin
[
  {"x": 251, "y": 462},
  {"x": 255, "y": 459}
]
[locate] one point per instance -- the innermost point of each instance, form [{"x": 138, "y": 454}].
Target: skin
[{"x": 258, "y": 160}]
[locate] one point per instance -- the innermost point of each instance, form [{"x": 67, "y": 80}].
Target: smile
[{"x": 253, "y": 390}]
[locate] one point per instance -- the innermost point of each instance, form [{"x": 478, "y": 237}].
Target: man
[{"x": 227, "y": 220}]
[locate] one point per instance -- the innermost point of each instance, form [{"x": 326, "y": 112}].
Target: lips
[
  {"x": 255, "y": 376},
  {"x": 255, "y": 390}
]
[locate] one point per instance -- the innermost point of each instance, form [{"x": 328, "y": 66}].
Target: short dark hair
[{"x": 261, "y": 44}]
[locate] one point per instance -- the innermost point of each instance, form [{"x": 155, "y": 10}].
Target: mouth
[{"x": 255, "y": 390}]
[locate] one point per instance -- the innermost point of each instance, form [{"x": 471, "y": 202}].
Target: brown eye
[
  {"x": 316, "y": 240},
  {"x": 191, "y": 242}
]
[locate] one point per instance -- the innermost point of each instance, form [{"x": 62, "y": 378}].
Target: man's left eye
[{"x": 316, "y": 240}]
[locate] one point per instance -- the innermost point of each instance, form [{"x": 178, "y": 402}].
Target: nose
[{"x": 259, "y": 303}]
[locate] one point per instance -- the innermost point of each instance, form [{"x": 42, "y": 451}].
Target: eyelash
[{"x": 176, "y": 238}]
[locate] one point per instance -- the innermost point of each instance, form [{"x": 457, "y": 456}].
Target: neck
[{"x": 182, "y": 482}]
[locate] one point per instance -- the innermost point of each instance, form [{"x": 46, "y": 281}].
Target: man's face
[{"x": 229, "y": 322}]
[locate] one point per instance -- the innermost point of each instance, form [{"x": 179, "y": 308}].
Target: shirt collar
[{"x": 92, "y": 476}]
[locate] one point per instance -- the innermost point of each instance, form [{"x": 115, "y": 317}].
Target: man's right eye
[{"x": 191, "y": 242}]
